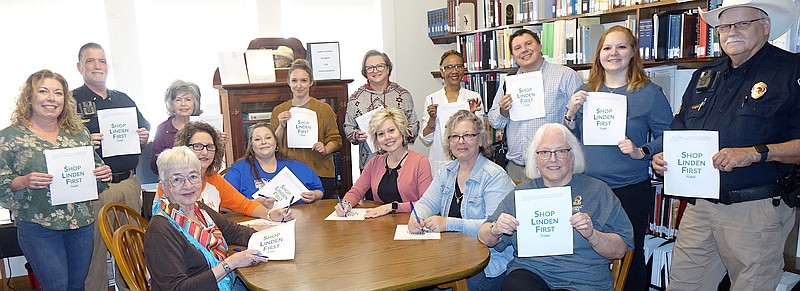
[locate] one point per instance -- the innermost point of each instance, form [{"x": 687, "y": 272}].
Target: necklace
[
  {"x": 610, "y": 90},
  {"x": 458, "y": 191},
  {"x": 458, "y": 198}
]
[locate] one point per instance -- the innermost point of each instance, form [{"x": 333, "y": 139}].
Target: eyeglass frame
[
  {"x": 209, "y": 147},
  {"x": 556, "y": 153},
  {"x": 466, "y": 137},
  {"x": 376, "y": 68},
  {"x": 452, "y": 67},
  {"x": 178, "y": 180},
  {"x": 741, "y": 25}
]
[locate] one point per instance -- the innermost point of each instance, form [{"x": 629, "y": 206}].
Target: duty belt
[
  {"x": 119, "y": 177},
  {"x": 749, "y": 194}
]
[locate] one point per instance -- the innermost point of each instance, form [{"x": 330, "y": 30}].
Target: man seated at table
[{"x": 601, "y": 229}]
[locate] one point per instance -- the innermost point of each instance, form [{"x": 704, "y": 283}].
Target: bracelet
[
  {"x": 590, "y": 241},
  {"x": 226, "y": 267},
  {"x": 568, "y": 119},
  {"x": 349, "y": 206}
]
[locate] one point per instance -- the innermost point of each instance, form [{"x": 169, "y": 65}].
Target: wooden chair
[
  {"x": 114, "y": 215},
  {"x": 619, "y": 270},
  {"x": 129, "y": 253}
]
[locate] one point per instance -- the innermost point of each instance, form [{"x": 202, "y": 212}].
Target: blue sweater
[
  {"x": 648, "y": 112},
  {"x": 240, "y": 175}
]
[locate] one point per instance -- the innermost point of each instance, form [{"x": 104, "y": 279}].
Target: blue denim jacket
[{"x": 486, "y": 187}]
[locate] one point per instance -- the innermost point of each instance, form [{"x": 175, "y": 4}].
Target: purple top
[{"x": 165, "y": 138}]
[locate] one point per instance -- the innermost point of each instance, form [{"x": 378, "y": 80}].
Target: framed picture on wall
[{"x": 324, "y": 60}]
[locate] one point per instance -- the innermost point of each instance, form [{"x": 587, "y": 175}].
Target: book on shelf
[
  {"x": 257, "y": 115},
  {"x": 646, "y": 39},
  {"x": 508, "y": 11},
  {"x": 438, "y": 24}
]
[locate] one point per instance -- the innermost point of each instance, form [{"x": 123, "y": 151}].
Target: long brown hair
[
  {"x": 250, "y": 154},
  {"x": 636, "y": 76},
  {"x": 68, "y": 118}
]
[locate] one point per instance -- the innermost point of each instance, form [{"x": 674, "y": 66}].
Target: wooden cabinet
[{"x": 238, "y": 99}]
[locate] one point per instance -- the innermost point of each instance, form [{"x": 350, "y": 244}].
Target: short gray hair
[
  {"x": 578, "y": 162},
  {"x": 180, "y": 86},
  {"x": 480, "y": 130},
  {"x": 175, "y": 158}
]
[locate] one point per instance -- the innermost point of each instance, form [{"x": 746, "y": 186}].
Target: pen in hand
[
  {"x": 414, "y": 210},
  {"x": 287, "y": 209},
  {"x": 257, "y": 255},
  {"x": 342, "y": 206}
]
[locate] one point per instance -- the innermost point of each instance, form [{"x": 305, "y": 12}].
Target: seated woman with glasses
[
  {"x": 186, "y": 242},
  {"x": 465, "y": 191},
  {"x": 601, "y": 230},
  {"x": 379, "y": 92},
  {"x": 216, "y": 192},
  {"x": 263, "y": 161},
  {"x": 451, "y": 66},
  {"x": 396, "y": 175}
]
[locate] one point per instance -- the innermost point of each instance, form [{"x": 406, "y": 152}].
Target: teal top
[{"x": 22, "y": 152}]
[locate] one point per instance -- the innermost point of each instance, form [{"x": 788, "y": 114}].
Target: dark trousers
[
  {"x": 637, "y": 200},
  {"x": 524, "y": 280},
  {"x": 328, "y": 187}
]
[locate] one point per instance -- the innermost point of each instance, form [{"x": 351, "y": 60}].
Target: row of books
[
  {"x": 675, "y": 35},
  {"x": 438, "y": 22},
  {"x": 667, "y": 213}
]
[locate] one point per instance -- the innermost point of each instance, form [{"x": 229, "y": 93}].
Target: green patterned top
[{"x": 22, "y": 152}]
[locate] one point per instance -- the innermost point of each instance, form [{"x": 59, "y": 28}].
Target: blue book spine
[
  {"x": 646, "y": 39},
  {"x": 674, "y": 39}
]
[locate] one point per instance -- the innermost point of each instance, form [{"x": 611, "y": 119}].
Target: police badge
[{"x": 758, "y": 90}]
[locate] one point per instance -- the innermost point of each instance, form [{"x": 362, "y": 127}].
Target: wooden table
[{"x": 363, "y": 255}]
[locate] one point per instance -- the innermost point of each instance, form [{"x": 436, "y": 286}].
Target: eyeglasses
[
  {"x": 375, "y": 68},
  {"x": 741, "y": 25},
  {"x": 199, "y": 147},
  {"x": 453, "y": 67},
  {"x": 466, "y": 137},
  {"x": 560, "y": 154},
  {"x": 179, "y": 180}
]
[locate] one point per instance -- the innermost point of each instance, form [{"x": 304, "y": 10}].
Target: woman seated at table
[
  {"x": 397, "y": 175},
  {"x": 465, "y": 191},
  {"x": 263, "y": 161},
  {"x": 186, "y": 242},
  {"x": 601, "y": 229},
  {"x": 216, "y": 192}
]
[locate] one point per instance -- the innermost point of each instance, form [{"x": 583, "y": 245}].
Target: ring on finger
[
  {"x": 253, "y": 262},
  {"x": 36, "y": 184}
]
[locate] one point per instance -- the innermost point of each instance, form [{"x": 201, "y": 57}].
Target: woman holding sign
[
  {"x": 452, "y": 96},
  {"x": 186, "y": 242},
  {"x": 600, "y": 230},
  {"x": 216, "y": 192},
  {"x": 263, "y": 161},
  {"x": 328, "y": 140},
  {"x": 56, "y": 239},
  {"x": 465, "y": 191},
  {"x": 396, "y": 175},
  {"x": 624, "y": 165}
]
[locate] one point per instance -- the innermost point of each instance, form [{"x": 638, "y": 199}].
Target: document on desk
[
  {"x": 282, "y": 187},
  {"x": 73, "y": 175},
  {"x": 690, "y": 170},
  {"x": 354, "y": 214},
  {"x": 118, "y": 126},
  {"x": 302, "y": 130},
  {"x": 544, "y": 228},
  {"x": 363, "y": 125},
  {"x": 402, "y": 233},
  {"x": 277, "y": 242},
  {"x": 259, "y": 222}
]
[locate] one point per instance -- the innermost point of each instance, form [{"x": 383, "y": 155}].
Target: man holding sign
[
  {"x": 600, "y": 229},
  {"x": 92, "y": 97},
  {"x": 752, "y": 98},
  {"x": 558, "y": 82}
]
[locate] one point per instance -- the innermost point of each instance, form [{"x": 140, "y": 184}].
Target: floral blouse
[{"x": 22, "y": 152}]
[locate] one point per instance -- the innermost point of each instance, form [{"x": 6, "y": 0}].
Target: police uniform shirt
[
  {"x": 89, "y": 103},
  {"x": 756, "y": 103}
]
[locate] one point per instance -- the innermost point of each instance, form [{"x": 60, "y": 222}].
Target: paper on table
[
  {"x": 354, "y": 214},
  {"x": 401, "y": 233},
  {"x": 259, "y": 221},
  {"x": 690, "y": 170},
  {"x": 445, "y": 110},
  {"x": 118, "y": 126},
  {"x": 282, "y": 187},
  {"x": 544, "y": 228},
  {"x": 73, "y": 175},
  {"x": 604, "y": 118},
  {"x": 363, "y": 125},
  {"x": 277, "y": 242},
  {"x": 527, "y": 95},
  {"x": 214, "y": 119},
  {"x": 302, "y": 129}
]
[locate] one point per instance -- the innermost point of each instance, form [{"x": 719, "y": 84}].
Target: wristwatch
[
  {"x": 763, "y": 150},
  {"x": 645, "y": 151},
  {"x": 394, "y": 206}
]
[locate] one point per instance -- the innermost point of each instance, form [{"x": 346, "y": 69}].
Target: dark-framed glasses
[
  {"x": 375, "y": 68},
  {"x": 453, "y": 67},
  {"x": 466, "y": 137},
  {"x": 559, "y": 153},
  {"x": 180, "y": 180},
  {"x": 741, "y": 25},
  {"x": 199, "y": 147}
]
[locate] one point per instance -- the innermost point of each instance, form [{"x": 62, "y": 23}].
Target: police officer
[
  {"x": 124, "y": 187},
  {"x": 752, "y": 98}
]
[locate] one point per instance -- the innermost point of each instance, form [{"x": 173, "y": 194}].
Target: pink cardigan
[{"x": 413, "y": 179}]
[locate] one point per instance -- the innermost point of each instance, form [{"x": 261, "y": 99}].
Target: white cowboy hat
[
  {"x": 782, "y": 13},
  {"x": 284, "y": 51}
]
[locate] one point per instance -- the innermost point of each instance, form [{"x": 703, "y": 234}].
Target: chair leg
[{"x": 460, "y": 285}]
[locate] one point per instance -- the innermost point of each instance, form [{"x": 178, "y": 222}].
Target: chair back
[
  {"x": 128, "y": 252},
  {"x": 114, "y": 215},
  {"x": 619, "y": 270}
]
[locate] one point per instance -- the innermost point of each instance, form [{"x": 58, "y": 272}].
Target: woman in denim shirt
[{"x": 464, "y": 192}]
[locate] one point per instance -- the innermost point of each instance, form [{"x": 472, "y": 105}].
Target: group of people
[{"x": 455, "y": 188}]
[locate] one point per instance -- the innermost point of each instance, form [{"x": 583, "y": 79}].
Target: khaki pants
[
  {"x": 746, "y": 239},
  {"x": 129, "y": 193}
]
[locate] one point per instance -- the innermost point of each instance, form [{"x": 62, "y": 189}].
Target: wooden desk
[{"x": 363, "y": 255}]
